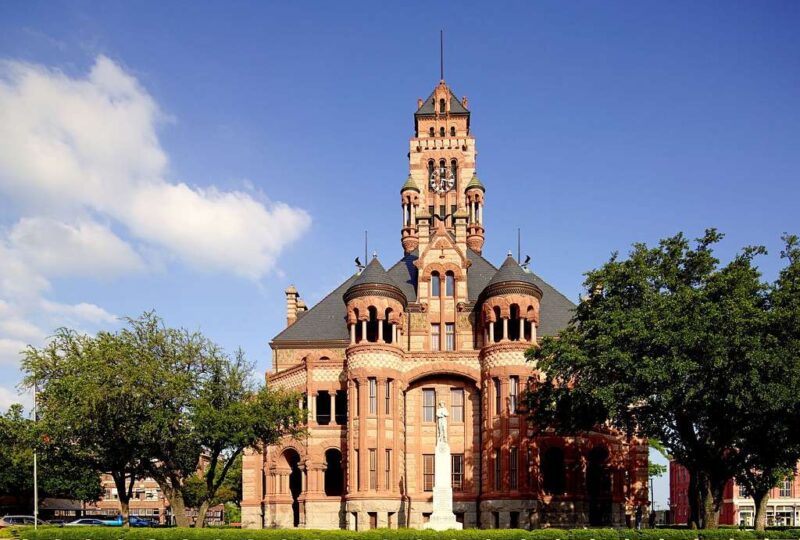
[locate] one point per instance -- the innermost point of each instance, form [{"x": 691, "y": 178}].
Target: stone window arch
[
  {"x": 449, "y": 283},
  {"x": 431, "y": 132},
  {"x": 453, "y": 131}
]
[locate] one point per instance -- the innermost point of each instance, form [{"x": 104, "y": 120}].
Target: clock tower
[{"x": 442, "y": 189}]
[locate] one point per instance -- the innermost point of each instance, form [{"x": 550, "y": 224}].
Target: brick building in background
[
  {"x": 442, "y": 324},
  {"x": 147, "y": 502},
  {"x": 738, "y": 508}
]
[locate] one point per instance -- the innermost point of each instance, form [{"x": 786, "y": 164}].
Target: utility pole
[{"x": 35, "y": 471}]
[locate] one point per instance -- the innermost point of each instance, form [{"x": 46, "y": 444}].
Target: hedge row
[{"x": 108, "y": 533}]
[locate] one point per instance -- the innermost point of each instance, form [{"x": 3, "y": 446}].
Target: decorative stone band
[
  {"x": 373, "y": 356},
  {"x": 375, "y": 289},
  {"x": 292, "y": 378},
  {"x": 504, "y": 354},
  {"x": 512, "y": 287}
]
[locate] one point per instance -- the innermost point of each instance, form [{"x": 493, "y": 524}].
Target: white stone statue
[
  {"x": 442, "y": 517},
  {"x": 441, "y": 423}
]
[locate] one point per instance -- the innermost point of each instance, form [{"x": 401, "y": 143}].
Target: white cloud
[
  {"x": 82, "y": 165},
  {"x": 89, "y": 145},
  {"x": 10, "y": 396},
  {"x": 84, "y": 249},
  {"x": 10, "y": 350}
]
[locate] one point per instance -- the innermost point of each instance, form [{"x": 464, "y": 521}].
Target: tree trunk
[
  {"x": 178, "y": 508},
  {"x": 124, "y": 499},
  {"x": 713, "y": 491},
  {"x": 201, "y": 514},
  {"x": 694, "y": 501},
  {"x": 760, "y": 498},
  {"x": 176, "y": 503}
]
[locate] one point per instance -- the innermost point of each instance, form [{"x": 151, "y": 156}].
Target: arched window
[
  {"x": 449, "y": 284},
  {"x": 513, "y": 323},
  {"x": 387, "y": 327},
  {"x": 453, "y": 169},
  {"x": 498, "y": 325},
  {"x": 441, "y": 131},
  {"x": 359, "y": 337},
  {"x": 442, "y": 108},
  {"x": 435, "y": 284},
  {"x": 431, "y": 132},
  {"x": 431, "y": 165},
  {"x": 453, "y": 131},
  {"x": 334, "y": 475},
  {"x": 553, "y": 472},
  {"x": 372, "y": 325}
]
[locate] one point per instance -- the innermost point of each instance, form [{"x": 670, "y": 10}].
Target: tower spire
[{"x": 441, "y": 55}]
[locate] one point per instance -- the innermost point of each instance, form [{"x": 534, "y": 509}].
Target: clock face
[{"x": 441, "y": 181}]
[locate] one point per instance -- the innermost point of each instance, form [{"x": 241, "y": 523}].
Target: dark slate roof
[
  {"x": 429, "y": 107},
  {"x": 326, "y": 320},
  {"x": 404, "y": 275},
  {"x": 323, "y": 322},
  {"x": 555, "y": 309},
  {"x": 510, "y": 270},
  {"x": 374, "y": 274},
  {"x": 478, "y": 274}
]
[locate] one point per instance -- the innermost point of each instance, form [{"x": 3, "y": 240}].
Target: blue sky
[{"x": 200, "y": 157}]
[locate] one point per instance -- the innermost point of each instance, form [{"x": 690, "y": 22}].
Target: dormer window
[{"x": 441, "y": 106}]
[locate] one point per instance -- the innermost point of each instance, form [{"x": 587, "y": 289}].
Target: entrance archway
[
  {"x": 292, "y": 459},
  {"x": 598, "y": 486}
]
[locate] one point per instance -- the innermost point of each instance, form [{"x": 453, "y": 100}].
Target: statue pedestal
[{"x": 442, "y": 517}]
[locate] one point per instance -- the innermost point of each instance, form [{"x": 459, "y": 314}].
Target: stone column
[
  {"x": 333, "y": 407},
  {"x": 353, "y": 334},
  {"x": 505, "y": 329},
  {"x": 491, "y": 332},
  {"x": 380, "y": 331},
  {"x": 364, "y": 330},
  {"x": 522, "y": 329},
  {"x": 413, "y": 214}
]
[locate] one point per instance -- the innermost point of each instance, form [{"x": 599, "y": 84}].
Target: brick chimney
[{"x": 292, "y": 298}]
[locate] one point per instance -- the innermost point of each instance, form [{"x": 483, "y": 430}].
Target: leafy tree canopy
[{"x": 670, "y": 344}]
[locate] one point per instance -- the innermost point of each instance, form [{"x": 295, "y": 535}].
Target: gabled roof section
[{"x": 429, "y": 105}]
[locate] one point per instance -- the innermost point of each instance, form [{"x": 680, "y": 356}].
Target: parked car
[
  {"x": 11, "y": 521},
  {"x": 85, "y": 522},
  {"x": 136, "y": 521}
]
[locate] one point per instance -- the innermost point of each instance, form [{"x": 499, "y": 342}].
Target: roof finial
[
  {"x": 374, "y": 254},
  {"x": 441, "y": 55}
]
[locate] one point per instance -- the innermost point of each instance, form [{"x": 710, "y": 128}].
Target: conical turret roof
[
  {"x": 374, "y": 281},
  {"x": 475, "y": 182},
  {"x": 512, "y": 278},
  {"x": 410, "y": 185}
]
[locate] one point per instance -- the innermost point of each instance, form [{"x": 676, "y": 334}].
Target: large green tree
[
  {"x": 670, "y": 344},
  {"x": 770, "y": 438},
  {"x": 205, "y": 411},
  {"x": 56, "y": 477},
  {"x": 154, "y": 401},
  {"x": 91, "y": 407}
]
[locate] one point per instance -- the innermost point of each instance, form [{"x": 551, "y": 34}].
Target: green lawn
[{"x": 115, "y": 533}]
